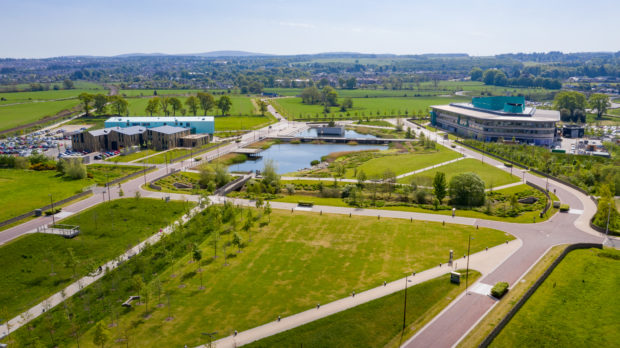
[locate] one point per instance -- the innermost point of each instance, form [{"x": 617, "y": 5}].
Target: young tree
[
  {"x": 119, "y": 104},
  {"x": 176, "y": 105},
  {"x": 192, "y": 103},
  {"x": 361, "y": 178},
  {"x": 153, "y": 105},
  {"x": 237, "y": 241},
  {"x": 164, "y": 102},
  {"x": 197, "y": 256},
  {"x": 224, "y": 104},
  {"x": 262, "y": 106},
  {"x": 329, "y": 97},
  {"x": 440, "y": 186},
  {"x": 101, "y": 335},
  {"x": 86, "y": 100},
  {"x": 600, "y": 102},
  {"x": 99, "y": 102},
  {"x": 467, "y": 189},
  {"x": 271, "y": 179},
  {"x": 207, "y": 102}
]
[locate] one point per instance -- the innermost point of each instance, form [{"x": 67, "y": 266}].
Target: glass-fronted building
[
  {"x": 196, "y": 124},
  {"x": 492, "y": 118}
]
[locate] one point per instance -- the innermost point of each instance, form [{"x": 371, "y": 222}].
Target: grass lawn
[
  {"x": 363, "y": 107},
  {"x": 103, "y": 173},
  {"x": 167, "y": 183},
  {"x": 576, "y": 306},
  {"x": 491, "y": 175},
  {"x": 401, "y": 164},
  {"x": 162, "y": 157},
  {"x": 377, "y": 323},
  {"x": 17, "y": 115},
  {"x": 33, "y": 266},
  {"x": 227, "y": 123},
  {"x": 293, "y": 263},
  {"x": 132, "y": 157},
  {"x": 29, "y": 97},
  {"x": 336, "y": 202}
]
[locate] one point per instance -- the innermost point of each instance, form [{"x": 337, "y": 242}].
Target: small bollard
[
  {"x": 353, "y": 294},
  {"x": 318, "y": 305},
  {"x": 291, "y": 210},
  {"x": 506, "y": 241},
  {"x": 279, "y": 318},
  {"x": 411, "y": 220},
  {"x": 476, "y": 226},
  {"x": 413, "y": 274},
  {"x": 349, "y": 214},
  {"x": 384, "y": 283},
  {"x": 444, "y": 222},
  {"x": 487, "y": 248},
  {"x": 321, "y": 213},
  {"x": 378, "y": 217},
  {"x": 236, "y": 332},
  {"x": 440, "y": 264},
  {"x": 463, "y": 255}
]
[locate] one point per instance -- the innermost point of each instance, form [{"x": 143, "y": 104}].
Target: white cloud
[{"x": 298, "y": 25}]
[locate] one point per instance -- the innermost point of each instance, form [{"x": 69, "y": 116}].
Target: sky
[{"x": 50, "y": 28}]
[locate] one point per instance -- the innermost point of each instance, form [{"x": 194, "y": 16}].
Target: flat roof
[
  {"x": 167, "y": 129},
  {"x": 127, "y": 131},
  {"x": 537, "y": 115},
  {"x": 161, "y": 119}
]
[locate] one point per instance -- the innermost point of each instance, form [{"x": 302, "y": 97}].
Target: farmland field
[
  {"x": 362, "y": 107},
  {"x": 31, "y": 97},
  {"x": 19, "y": 114}
]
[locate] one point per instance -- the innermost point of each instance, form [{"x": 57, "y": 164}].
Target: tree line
[
  {"x": 572, "y": 105},
  {"x": 497, "y": 77},
  {"x": 202, "y": 100}
]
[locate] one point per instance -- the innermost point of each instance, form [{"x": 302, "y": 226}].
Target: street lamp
[
  {"x": 210, "y": 334},
  {"x": 607, "y": 227},
  {"x": 54, "y": 219},
  {"x": 467, "y": 271}
]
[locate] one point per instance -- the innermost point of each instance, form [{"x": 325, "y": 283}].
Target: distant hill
[{"x": 203, "y": 54}]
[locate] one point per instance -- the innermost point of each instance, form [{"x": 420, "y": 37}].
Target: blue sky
[{"x": 39, "y": 28}]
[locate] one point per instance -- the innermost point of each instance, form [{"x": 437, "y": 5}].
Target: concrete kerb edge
[
  {"x": 464, "y": 293},
  {"x": 516, "y": 282}
]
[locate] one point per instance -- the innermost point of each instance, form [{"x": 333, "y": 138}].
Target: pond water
[
  {"x": 293, "y": 157},
  {"x": 311, "y": 132}
]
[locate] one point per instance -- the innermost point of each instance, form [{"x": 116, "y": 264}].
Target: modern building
[
  {"x": 196, "y": 124},
  {"x": 166, "y": 137},
  {"x": 573, "y": 131},
  {"x": 113, "y": 138},
  {"x": 492, "y": 118}
]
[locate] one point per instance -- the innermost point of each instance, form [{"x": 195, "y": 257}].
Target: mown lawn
[
  {"x": 576, "y": 306},
  {"x": 132, "y": 157},
  {"x": 491, "y": 175},
  {"x": 103, "y": 173},
  {"x": 34, "y": 266},
  {"x": 29, "y": 97},
  {"x": 404, "y": 163},
  {"x": 377, "y": 323},
  {"x": 227, "y": 123},
  {"x": 291, "y": 264}
]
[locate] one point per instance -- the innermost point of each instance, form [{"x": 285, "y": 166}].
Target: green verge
[
  {"x": 576, "y": 306},
  {"x": 132, "y": 157},
  {"x": 376, "y": 323},
  {"x": 35, "y": 265},
  {"x": 294, "y": 262},
  {"x": 492, "y": 176}
]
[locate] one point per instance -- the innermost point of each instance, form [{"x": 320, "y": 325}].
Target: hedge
[{"x": 499, "y": 289}]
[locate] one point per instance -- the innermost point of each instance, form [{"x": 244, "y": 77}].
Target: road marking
[
  {"x": 303, "y": 208},
  {"x": 575, "y": 211},
  {"x": 481, "y": 288}
]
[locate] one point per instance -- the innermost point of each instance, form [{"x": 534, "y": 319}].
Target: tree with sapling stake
[
  {"x": 440, "y": 186},
  {"x": 197, "y": 256},
  {"x": 101, "y": 335}
]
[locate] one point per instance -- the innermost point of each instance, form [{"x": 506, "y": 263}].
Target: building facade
[
  {"x": 196, "y": 124},
  {"x": 495, "y": 118}
]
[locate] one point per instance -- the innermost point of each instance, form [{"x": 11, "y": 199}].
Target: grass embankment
[
  {"x": 377, "y": 323},
  {"x": 492, "y": 176},
  {"x": 294, "y": 262},
  {"x": 501, "y": 308},
  {"x": 22, "y": 191},
  {"x": 403, "y": 163},
  {"x": 20, "y": 114},
  {"x": 35, "y": 265},
  {"x": 132, "y": 157},
  {"x": 576, "y": 306},
  {"x": 187, "y": 178}
]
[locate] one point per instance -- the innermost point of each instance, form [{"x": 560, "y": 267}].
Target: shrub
[
  {"x": 564, "y": 208},
  {"x": 314, "y": 162},
  {"x": 467, "y": 189},
  {"x": 75, "y": 169},
  {"x": 508, "y": 165},
  {"x": 499, "y": 289},
  {"x": 52, "y": 212}
]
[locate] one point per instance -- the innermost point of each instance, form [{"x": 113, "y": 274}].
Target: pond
[
  {"x": 311, "y": 132},
  {"x": 293, "y": 157}
]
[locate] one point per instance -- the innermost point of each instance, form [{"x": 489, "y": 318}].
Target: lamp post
[
  {"x": 54, "y": 218},
  {"x": 210, "y": 334},
  {"x": 405, "y": 306},
  {"x": 607, "y": 227},
  {"x": 107, "y": 184},
  {"x": 467, "y": 271}
]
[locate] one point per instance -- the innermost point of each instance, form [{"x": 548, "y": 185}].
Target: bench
[{"x": 128, "y": 302}]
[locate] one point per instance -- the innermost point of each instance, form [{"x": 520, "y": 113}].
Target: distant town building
[{"x": 492, "y": 118}]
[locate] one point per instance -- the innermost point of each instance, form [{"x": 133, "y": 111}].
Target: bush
[
  {"x": 499, "y": 289},
  {"x": 508, "y": 165},
  {"x": 75, "y": 169},
  {"x": 314, "y": 162},
  {"x": 467, "y": 189},
  {"x": 52, "y": 212},
  {"x": 564, "y": 208}
]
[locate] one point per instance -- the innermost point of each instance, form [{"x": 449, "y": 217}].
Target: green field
[
  {"x": 20, "y": 114},
  {"x": 492, "y": 176},
  {"x": 34, "y": 266},
  {"x": 405, "y": 163},
  {"x": 377, "y": 323},
  {"x": 22, "y": 191},
  {"x": 30, "y": 97},
  {"x": 241, "y": 106},
  {"x": 227, "y": 123},
  {"x": 576, "y": 306},
  {"x": 364, "y": 107},
  {"x": 294, "y": 262}
]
